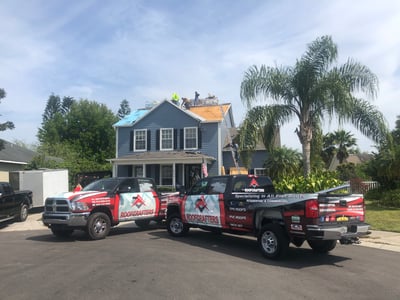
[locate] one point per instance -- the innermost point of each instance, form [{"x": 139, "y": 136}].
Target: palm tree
[
  {"x": 283, "y": 161},
  {"x": 345, "y": 142},
  {"x": 312, "y": 90}
]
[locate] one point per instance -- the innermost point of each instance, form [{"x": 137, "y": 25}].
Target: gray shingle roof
[{"x": 13, "y": 153}]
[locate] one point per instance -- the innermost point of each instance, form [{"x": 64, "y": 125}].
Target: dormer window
[
  {"x": 167, "y": 139},
  {"x": 140, "y": 139},
  {"x": 190, "y": 138}
]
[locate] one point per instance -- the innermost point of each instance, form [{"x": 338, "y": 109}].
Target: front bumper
[
  {"x": 338, "y": 232},
  {"x": 69, "y": 220}
]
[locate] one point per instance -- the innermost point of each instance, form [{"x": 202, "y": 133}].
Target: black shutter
[
  {"x": 131, "y": 141},
  {"x": 148, "y": 140},
  {"x": 199, "y": 138},
  {"x": 158, "y": 139},
  {"x": 181, "y": 141},
  {"x": 175, "y": 139}
]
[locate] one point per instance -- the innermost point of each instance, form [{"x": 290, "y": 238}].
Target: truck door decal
[
  {"x": 133, "y": 206},
  {"x": 203, "y": 210}
]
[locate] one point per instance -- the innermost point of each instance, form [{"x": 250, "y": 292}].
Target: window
[
  {"x": 166, "y": 175},
  {"x": 190, "y": 138},
  {"x": 167, "y": 139},
  {"x": 259, "y": 171},
  {"x": 138, "y": 171},
  {"x": 140, "y": 139}
]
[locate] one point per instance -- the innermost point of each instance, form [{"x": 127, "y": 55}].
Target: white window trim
[
  {"x": 184, "y": 138},
  {"x": 145, "y": 140},
  {"x": 161, "y": 139}
]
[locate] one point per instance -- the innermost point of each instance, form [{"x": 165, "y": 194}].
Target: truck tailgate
[{"x": 341, "y": 209}]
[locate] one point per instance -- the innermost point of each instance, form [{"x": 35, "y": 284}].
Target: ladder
[{"x": 230, "y": 140}]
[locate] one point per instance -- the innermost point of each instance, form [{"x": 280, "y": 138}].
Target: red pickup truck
[
  {"x": 103, "y": 204},
  {"x": 248, "y": 204}
]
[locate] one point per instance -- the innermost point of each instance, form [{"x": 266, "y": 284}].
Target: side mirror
[{"x": 181, "y": 189}]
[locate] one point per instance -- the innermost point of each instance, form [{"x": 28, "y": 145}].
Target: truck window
[
  {"x": 200, "y": 187},
  {"x": 129, "y": 185},
  {"x": 261, "y": 182},
  {"x": 218, "y": 185},
  {"x": 145, "y": 185}
]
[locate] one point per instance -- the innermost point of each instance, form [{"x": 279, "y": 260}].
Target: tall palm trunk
[{"x": 305, "y": 137}]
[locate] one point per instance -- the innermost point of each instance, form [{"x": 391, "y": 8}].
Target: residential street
[{"x": 137, "y": 264}]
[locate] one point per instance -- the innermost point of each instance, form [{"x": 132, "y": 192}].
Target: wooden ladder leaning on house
[{"x": 230, "y": 140}]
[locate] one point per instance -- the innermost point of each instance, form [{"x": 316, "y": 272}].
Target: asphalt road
[{"x": 149, "y": 264}]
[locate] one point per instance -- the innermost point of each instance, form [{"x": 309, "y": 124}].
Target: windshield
[{"x": 108, "y": 184}]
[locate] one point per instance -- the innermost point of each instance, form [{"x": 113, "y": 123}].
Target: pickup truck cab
[
  {"x": 243, "y": 204},
  {"x": 103, "y": 204},
  {"x": 14, "y": 205}
]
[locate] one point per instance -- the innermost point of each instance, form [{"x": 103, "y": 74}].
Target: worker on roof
[{"x": 175, "y": 98}]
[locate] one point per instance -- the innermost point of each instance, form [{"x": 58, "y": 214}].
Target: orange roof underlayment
[{"x": 211, "y": 112}]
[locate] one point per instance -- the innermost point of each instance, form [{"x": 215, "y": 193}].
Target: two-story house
[{"x": 172, "y": 144}]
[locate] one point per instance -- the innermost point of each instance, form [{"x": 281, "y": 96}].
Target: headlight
[{"x": 81, "y": 206}]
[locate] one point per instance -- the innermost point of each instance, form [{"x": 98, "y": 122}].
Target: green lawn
[{"x": 380, "y": 218}]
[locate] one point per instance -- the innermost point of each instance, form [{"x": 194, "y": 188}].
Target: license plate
[{"x": 342, "y": 219}]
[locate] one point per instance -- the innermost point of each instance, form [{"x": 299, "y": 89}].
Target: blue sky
[{"x": 143, "y": 51}]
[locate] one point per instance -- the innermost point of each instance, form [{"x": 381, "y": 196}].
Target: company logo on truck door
[
  {"x": 136, "y": 205},
  {"x": 201, "y": 204},
  {"x": 203, "y": 210},
  {"x": 138, "y": 202}
]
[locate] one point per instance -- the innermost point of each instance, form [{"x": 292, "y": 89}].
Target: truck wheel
[
  {"x": 142, "y": 223},
  {"x": 62, "y": 233},
  {"x": 322, "y": 246},
  {"x": 99, "y": 225},
  {"x": 23, "y": 213},
  {"x": 273, "y": 241},
  {"x": 176, "y": 227}
]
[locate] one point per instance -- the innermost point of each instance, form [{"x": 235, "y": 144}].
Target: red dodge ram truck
[
  {"x": 103, "y": 204},
  {"x": 248, "y": 204}
]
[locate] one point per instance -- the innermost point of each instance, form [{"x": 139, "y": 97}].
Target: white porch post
[
  {"x": 144, "y": 170},
  {"x": 173, "y": 174}
]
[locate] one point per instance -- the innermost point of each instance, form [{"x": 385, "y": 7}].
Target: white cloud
[{"x": 143, "y": 51}]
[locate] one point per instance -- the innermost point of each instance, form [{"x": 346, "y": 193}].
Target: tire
[
  {"x": 322, "y": 246},
  {"x": 23, "y": 213},
  {"x": 99, "y": 225},
  {"x": 62, "y": 233},
  {"x": 176, "y": 227},
  {"x": 142, "y": 223},
  {"x": 273, "y": 241}
]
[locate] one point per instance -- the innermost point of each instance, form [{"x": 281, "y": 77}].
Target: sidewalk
[{"x": 377, "y": 239}]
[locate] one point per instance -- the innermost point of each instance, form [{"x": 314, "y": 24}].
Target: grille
[{"x": 56, "y": 205}]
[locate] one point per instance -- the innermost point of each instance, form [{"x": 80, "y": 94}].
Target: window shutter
[
  {"x": 181, "y": 139},
  {"x": 175, "y": 138},
  {"x": 131, "y": 141},
  {"x": 199, "y": 138},
  {"x": 148, "y": 140},
  {"x": 158, "y": 139}
]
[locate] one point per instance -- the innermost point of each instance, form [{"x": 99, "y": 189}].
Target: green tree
[
  {"x": 338, "y": 144},
  {"x": 313, "y": 90},
  {"x": 6, "y": 125},
  {"x": 124, "y": 109},
  {"x": 385, "y": 165},
  {"x": 283, "y": 162},
  {"x": 79, "y": 132}
]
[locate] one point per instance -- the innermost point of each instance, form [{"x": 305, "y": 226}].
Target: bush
[
  {"x": 313, "y": 183},
  {"x": 384, "y": 198}
]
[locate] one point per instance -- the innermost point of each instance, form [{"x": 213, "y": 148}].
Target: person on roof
[{"x": 175, "y": 98}]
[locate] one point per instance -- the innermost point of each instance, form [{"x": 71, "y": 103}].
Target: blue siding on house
[
  {"x": 213, "y": 136},
  {"x": 210, "y": 144},
  {"x": 166, "y": 115}
]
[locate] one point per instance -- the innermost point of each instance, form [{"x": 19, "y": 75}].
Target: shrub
[{"x": 313, "y": 183}]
